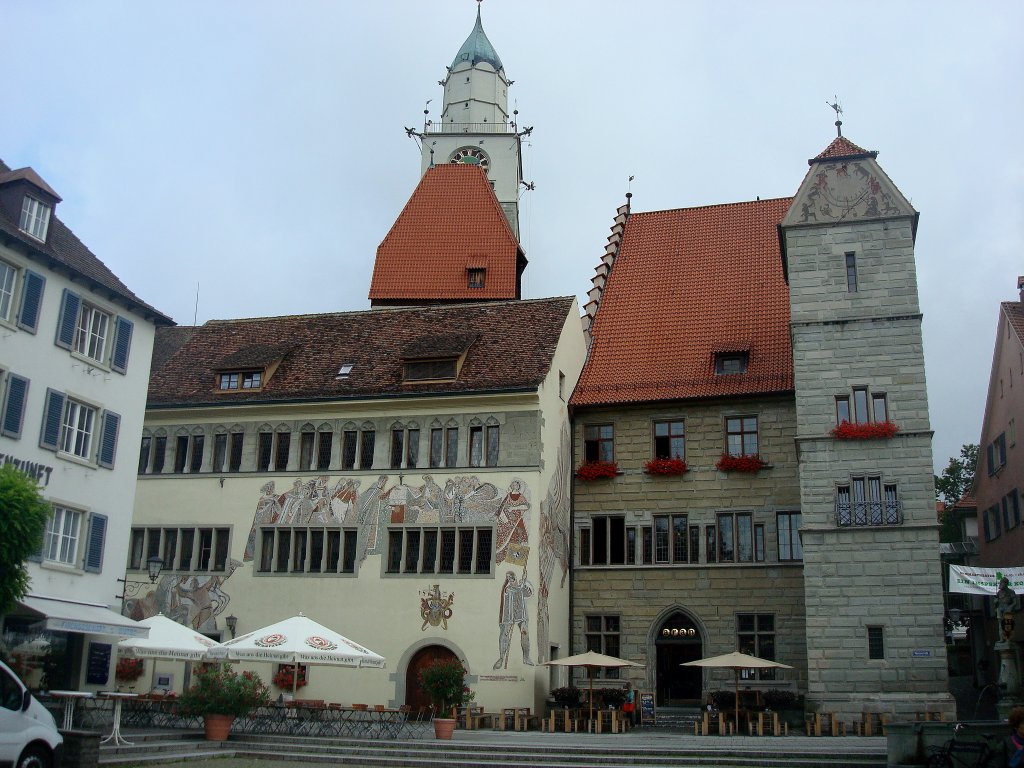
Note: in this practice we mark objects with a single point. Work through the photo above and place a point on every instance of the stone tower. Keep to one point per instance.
(869, 531)
(475, 126)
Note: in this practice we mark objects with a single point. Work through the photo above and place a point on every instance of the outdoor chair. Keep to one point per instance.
(506, 721)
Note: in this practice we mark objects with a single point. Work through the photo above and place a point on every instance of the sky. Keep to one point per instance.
(244, 158)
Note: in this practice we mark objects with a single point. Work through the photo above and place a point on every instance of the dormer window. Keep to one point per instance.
(234, 380)
(727, 363)
(431, 370)
(475, 278)
(35, 218)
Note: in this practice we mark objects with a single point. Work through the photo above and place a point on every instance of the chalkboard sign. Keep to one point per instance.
(97, 670)
(646, 708)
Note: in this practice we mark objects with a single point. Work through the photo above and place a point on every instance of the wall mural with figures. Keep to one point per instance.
(196, 600)
(192, 600)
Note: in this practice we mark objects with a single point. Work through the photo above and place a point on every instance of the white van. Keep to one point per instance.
(28, 733)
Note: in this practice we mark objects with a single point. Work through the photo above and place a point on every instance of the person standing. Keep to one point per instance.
(629, 706)
(1015, 741)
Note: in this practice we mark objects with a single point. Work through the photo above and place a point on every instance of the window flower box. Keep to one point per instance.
(878, 430)
(665, 467)
(597, 470)
(746, 463)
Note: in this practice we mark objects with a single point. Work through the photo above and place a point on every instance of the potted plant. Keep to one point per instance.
(566, 696)
(746, 463)
(444, 683)
(877, 430)
(285, 678)
(128, 671)
(220, 694)
(613, 697)
(597, 470)
(664, 466)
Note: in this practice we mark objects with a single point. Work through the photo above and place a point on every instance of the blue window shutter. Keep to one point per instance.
(53, 416)
(94, 546)
(31, 301)
(69, 305)
(122, 344)
(14, 406)
(108, 440)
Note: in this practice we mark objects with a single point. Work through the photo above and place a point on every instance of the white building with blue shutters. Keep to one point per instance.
(75, 349)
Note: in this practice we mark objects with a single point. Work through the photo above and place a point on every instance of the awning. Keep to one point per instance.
(75, 616)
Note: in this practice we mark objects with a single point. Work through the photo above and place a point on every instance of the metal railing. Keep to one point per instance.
(869, 513)
(469, 128)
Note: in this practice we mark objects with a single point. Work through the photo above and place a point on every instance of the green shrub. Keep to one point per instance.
(217, 689)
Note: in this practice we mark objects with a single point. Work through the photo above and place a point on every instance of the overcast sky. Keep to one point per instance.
(256, 149)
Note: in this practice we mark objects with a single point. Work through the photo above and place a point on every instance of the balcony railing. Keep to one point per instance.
(869, 513)
(469, 128)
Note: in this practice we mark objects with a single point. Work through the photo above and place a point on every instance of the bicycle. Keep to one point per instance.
(965, 754)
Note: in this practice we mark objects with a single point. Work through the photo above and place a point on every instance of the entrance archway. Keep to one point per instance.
(414, 695)
(678, 641)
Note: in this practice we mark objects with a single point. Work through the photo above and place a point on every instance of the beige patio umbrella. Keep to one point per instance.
(591, 660)
(736, 661)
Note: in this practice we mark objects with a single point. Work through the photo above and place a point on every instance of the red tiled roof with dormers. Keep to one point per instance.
(842, 147)
(63, 251)
(452, 223)
(686, 284)
(508, 346)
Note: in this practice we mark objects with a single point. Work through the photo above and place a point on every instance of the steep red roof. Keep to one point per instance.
(508, 346)
(1015, 315)
(686, 284)
(842, 147)
(452, 223)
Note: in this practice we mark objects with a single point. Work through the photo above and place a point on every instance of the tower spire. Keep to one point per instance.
(838, 110)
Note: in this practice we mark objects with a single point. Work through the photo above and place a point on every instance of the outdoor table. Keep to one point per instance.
(70, 699)
(118, 699)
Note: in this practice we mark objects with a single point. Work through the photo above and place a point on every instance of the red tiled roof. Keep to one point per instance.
(687, 283)
(1015, 315)
(452, 223)
(842, 147)
(509, 346)
(967, 501)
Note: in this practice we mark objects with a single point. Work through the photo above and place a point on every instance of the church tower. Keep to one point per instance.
(869, 531)
(475, 127)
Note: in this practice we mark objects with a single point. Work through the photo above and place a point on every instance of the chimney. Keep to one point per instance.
(1020, 287)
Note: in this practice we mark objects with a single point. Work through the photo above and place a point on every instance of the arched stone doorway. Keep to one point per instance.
(678, 640)
(424, 657)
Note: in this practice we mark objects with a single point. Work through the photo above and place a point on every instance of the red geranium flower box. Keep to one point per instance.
(665, 467)
(746, 463)
(879, 430)
(596, 470)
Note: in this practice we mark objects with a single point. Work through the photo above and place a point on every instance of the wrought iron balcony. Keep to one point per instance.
(869, 513)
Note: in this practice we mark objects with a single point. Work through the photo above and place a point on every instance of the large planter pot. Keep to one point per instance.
(217, 726)
(444, 727)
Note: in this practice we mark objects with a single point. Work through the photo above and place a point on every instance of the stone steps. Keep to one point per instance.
(468, 749)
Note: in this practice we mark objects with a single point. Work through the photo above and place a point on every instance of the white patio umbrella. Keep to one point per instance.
(736, 661)
(591, 660)
(167, 640)
(298, 640)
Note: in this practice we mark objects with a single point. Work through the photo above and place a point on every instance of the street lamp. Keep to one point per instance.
(154, 565)
(232, 622)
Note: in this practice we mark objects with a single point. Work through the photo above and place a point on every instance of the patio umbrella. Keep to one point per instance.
(167, 640)
(298, 640)
(590, 660)
(736, 661)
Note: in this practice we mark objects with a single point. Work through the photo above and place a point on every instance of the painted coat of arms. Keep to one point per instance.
(436, 607)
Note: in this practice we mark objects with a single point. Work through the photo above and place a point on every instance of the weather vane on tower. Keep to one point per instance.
(838, 110)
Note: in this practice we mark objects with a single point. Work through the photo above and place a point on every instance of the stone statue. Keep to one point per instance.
(1006, 600)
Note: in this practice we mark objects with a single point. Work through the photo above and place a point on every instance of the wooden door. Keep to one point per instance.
(414, 695)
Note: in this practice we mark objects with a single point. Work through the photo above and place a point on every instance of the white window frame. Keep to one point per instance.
(8, 283)
(35, 218)
(63, 535)
(91, 332)
(78, 429)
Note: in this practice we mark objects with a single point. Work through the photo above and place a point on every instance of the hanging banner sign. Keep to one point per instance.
(972, 580)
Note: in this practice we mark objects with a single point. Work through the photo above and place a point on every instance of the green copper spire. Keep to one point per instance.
(477, 48)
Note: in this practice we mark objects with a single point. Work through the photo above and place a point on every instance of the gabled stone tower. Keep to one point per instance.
(869, 530)
(475, 127)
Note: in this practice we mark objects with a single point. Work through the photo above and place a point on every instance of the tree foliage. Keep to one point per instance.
(23, 516)
(957, 477)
